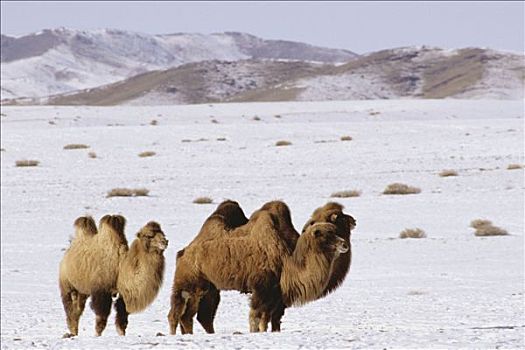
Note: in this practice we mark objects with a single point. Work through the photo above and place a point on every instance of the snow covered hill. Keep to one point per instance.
(449, 290)
(413, 72)
(61, 60)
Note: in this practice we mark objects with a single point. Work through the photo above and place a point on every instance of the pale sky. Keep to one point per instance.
(357, 26)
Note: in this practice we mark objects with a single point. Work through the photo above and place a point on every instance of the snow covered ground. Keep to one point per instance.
(449, 290)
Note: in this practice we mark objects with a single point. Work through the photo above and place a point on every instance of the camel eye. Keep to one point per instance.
(317, 233)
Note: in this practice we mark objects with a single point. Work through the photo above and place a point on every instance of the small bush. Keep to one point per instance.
(153, 122)
(27, 162)
(92, 155)
(489, 230)
(412, 233)
(256, 118)
(346, 194)
(514, 166)
(128, 192)
(147, 154)
(283, 143)
(221, 138)
(214, 121)
(185, 140)
(399, 188)
(203, 200)
(448, 172)
(76, 146)
(346, 138)
(278, 116)
(480, 223)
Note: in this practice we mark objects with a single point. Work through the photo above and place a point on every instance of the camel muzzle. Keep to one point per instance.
(341, 246)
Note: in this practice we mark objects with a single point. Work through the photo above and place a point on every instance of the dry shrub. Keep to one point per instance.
(256, 118)
(412, 233)
(283, 143)
(346, 138)
(346, 194)
(185, 140)
(128, 192)
(153, 122)
(221, 138)
(203, 200)
(514, 166)
(76, 146)
(214, 121)
(478, 223)
(399, 188)
(26, 162)
(147, 154)
(448, 172)
(278, 116)
(51, 122)
(92, 155)
(489, 230)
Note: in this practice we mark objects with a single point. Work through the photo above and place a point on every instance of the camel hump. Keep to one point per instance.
(86, 224)
(232, 213)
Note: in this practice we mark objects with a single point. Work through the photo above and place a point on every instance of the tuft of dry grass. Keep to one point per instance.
(256, 118)
(399, 188)
(221, 138)
(92, 155)
(153, 122)
(489, 230)
(412, 233)
(214, 121)
(514, 166)
(448, 172)
(485, 228)
(76, 146)
(346, 194)
(346, 138)
(128, 192)
(26, 163)
(278, 116)
(283, 143)
(147, 154)
(203, 200)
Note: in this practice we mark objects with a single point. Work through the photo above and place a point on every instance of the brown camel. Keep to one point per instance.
(91, 266)
(331, 212)
(242, 263)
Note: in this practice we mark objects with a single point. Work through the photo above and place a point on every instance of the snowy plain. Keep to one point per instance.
(449, 290)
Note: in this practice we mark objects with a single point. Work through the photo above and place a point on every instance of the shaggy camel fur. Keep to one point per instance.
(100, 265)
(331, 212)
(243, 263)
(90, 268)
(140, 274)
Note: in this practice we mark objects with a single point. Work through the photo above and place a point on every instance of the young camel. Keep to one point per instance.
(332, 213)
(91, 267)
(244, 264)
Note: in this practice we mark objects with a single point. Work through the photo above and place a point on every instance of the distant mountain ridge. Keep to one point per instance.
(63, 60)
(119, 67)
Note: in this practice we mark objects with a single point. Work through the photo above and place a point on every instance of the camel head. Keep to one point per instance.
(85, 224)
(333, 213)
(323, 236)
(152, 238)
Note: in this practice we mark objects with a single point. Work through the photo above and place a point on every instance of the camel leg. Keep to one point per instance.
(192, 306)
(101, 304)
(277, 315)
(178, 307)
(208, 308)
(263, 321)
(255, 317)
(121, 319)
(73, 303)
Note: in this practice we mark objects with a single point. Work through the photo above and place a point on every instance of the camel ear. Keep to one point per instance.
(333, 218)
(351, 222)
